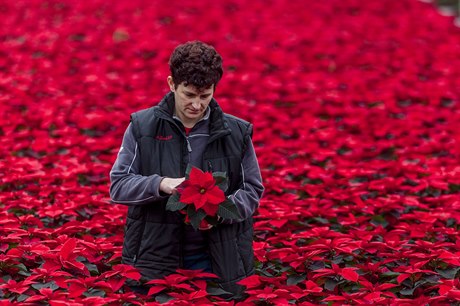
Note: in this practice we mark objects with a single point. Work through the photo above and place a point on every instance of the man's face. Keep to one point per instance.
(190, 102)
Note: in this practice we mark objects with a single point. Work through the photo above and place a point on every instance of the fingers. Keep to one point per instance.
(175, 183)
(180, 181)
(168, 185)
(208, 227)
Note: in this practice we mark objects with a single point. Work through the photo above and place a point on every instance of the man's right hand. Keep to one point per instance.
(168, 185)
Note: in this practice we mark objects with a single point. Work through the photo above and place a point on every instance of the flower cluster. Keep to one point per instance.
(355, 105)
(201, 191)
(201, 197)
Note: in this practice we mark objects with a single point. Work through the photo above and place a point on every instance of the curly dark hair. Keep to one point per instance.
(196, 63)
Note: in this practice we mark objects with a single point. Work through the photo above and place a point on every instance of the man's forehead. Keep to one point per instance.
(194, 89)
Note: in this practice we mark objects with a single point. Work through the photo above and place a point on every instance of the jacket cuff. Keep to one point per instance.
(155, 186)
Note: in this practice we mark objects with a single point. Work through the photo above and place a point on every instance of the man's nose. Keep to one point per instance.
(196, 104)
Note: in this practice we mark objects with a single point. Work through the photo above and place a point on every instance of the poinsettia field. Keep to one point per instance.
(356, 110)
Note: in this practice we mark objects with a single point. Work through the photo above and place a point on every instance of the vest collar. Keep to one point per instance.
(218, 126)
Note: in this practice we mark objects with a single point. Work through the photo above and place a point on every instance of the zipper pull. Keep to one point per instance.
(189, 147)
(134, 258)
(209, 166)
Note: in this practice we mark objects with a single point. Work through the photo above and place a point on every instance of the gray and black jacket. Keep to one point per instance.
(155, 146)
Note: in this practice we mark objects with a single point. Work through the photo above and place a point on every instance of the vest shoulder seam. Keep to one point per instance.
(236, 119)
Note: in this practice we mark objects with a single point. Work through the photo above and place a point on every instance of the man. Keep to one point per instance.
(187, 127)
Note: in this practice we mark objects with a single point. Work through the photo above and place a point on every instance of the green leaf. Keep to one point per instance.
(428, 279)
(407, 291)
(163, 298)
(218, 174)
(454, 188)
(449, 273)
(330, 284)
(228, 210)
(22, 298)
(390, 274)
(317, 265)
(221, 180)
(195, 216)
(94, 292)
(379, 220)
(284, 268)
(6, 278)
(52, 285)
(24, 273)
(321, 220)
(187, 171)
(173, 203)
(217, 291)
(211, 220)
(338, 259)
(451, 222)
(92, 268)
(294, 279)
(21, 267)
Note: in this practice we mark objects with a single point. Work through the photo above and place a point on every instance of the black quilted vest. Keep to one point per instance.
(153, 236)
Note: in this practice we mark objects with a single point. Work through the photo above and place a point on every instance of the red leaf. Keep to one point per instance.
(335, 298)
(128, 271)
(372, 296)
(157, 282)
(196, 274)
(443, 289)
(387, 286)
(250, 282)
(402, 277)
(76, 289)
(113, 283)
(183, 286)
(278, 223)
(155, 289)
(313, 190)
(34, 298)
(68, 248)
(350, 274)
(312, 286)
(198, 294)
(455, 294)
(201, 284)
(267, 295)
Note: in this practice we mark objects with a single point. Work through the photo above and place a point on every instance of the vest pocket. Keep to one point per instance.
(133, 232)
(226, 261)
(160, 245)
(246, 250)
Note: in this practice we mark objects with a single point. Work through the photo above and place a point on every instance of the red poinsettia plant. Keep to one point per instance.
(202, 198)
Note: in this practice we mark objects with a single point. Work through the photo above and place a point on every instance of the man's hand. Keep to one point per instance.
(168, 185)
(206, 228)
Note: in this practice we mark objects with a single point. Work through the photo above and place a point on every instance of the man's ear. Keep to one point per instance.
(171, 83)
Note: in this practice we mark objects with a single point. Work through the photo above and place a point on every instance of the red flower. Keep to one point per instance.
(201, 191)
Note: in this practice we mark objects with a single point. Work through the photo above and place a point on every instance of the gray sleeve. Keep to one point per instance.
(248, 196)
(127, 185)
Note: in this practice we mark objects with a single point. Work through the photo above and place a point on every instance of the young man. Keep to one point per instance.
(187, 127)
